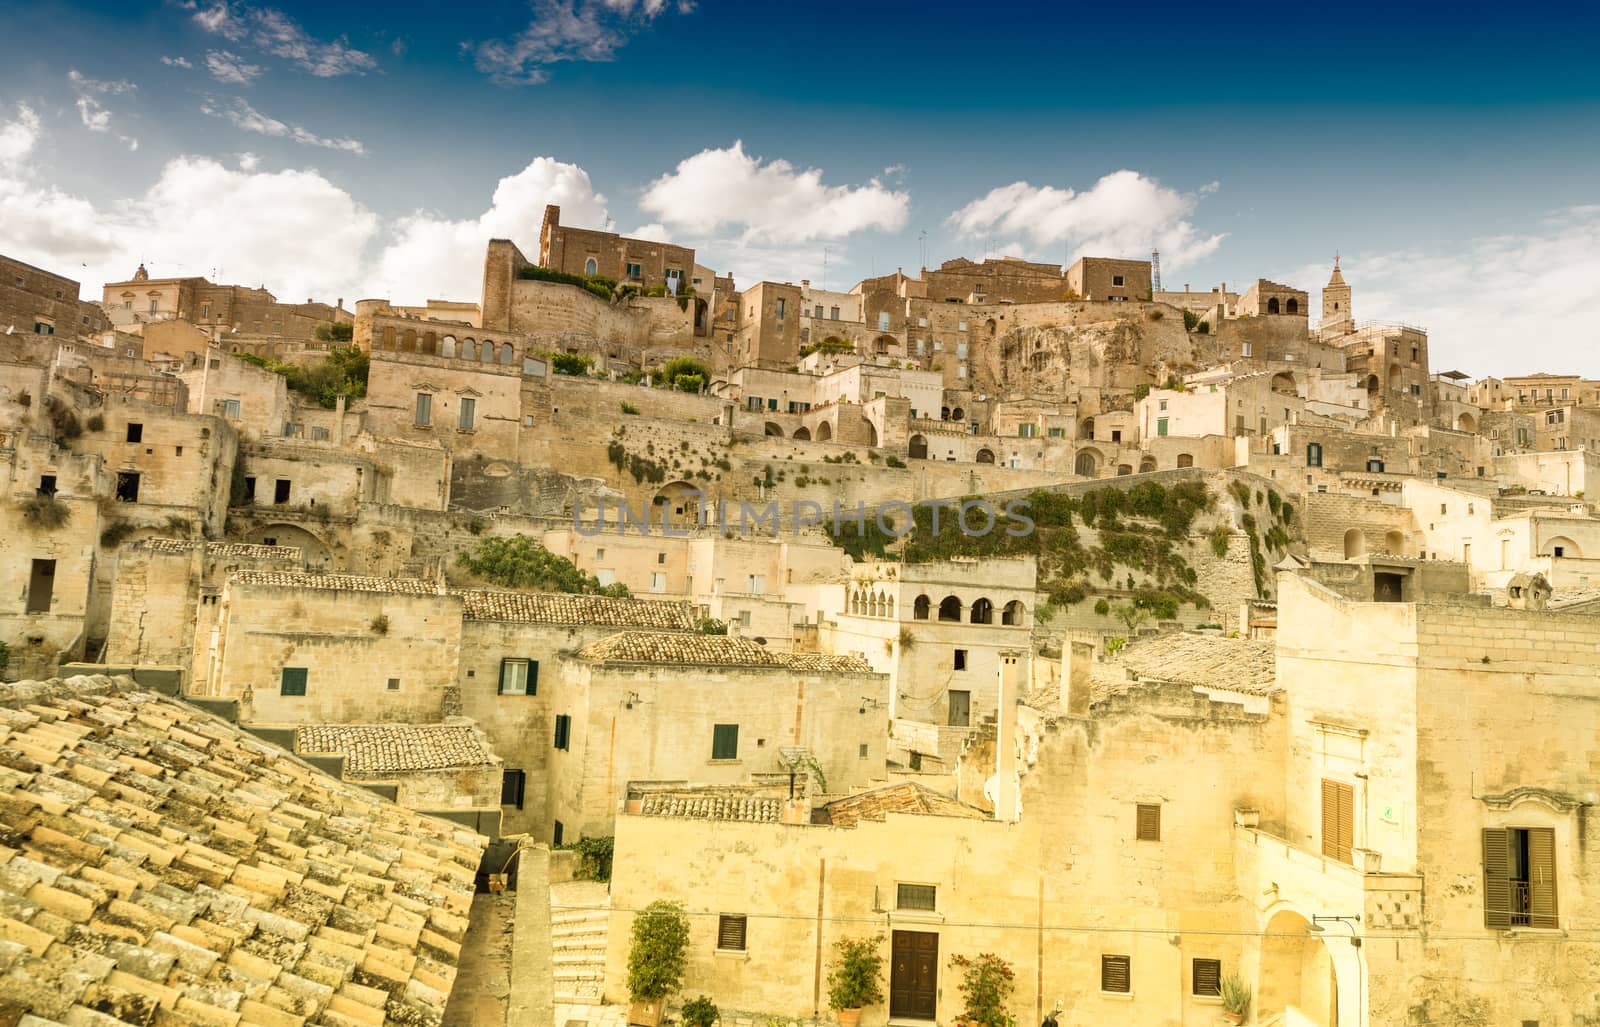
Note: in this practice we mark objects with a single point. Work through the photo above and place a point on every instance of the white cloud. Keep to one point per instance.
(431, 256)
(247, 119)
(1502, 304)
(566, 30)
(176, 62)
(1124, 214)
(271, 31)
(768, 202)
(94, 114)
(227, 66)
(292, 230)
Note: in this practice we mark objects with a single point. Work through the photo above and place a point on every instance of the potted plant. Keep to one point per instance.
(699, 1012)
(1235, 998)
(655, 960)
(854, 976)
(986, 984)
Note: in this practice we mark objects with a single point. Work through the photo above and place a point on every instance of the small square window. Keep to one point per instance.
(731, 932)
(394, 685)
(961, 659)
(293, 681)
(1116, 974)
(916, 896)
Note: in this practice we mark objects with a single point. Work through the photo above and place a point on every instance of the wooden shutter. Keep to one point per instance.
(1207, 977)
(1115, 974)
(1148, 822)
(1496, 878)
(730, 933)
(293, 682)
(1541, 877)
(533, 677)
(1338, 820)
(563, 730)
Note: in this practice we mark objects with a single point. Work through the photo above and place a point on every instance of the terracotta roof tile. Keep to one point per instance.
(906, 797)
(284, 554)
(336, 582)
(713, 805)
(710, 650)
(151, 861)
(564, 608)
(396, 748)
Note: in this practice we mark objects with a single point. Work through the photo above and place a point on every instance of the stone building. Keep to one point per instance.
(769, 326)
(586, 252)
(1110, 279)
(39, 302)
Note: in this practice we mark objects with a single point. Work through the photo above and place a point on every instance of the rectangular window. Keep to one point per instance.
(1338, 820)
(559, 833)
(730, 932)
(1206, 978)
(1161, 426)
(47, 485)
(319, 434)
(757, 584)
(563, 731)
(923, 897)
(658, 582)
(1375, 466)
(725, 741)
(833, 313)
(1028, 431)
(512, 785)
(1116, 974)
(1519, 877)
(280, 491)
(1116, 279)
(127, 486)
(961, 659)
(634, 271)
(518, 677)
(230, 408)
(135, 432)
(960, 708)
(41, 585)
(883, 320)
(778, 308)
(293, 681)
(467, 414)
(1147, 822)
(1313, 454)
(424, 416)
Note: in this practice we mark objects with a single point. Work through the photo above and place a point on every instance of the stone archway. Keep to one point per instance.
(678, 504)
(919, 447)
(773, 429)
(1086, 464)
(985, 456)
(313, 550)
(1467, 423)
(803, 433)
(1298, 980)
(825, 432)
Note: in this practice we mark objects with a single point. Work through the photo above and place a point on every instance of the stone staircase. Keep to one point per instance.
(580, 920)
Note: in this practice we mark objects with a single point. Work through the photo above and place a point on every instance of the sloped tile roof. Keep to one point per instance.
(906, 797)
(1244, 665)
(336, 582)
(285, 554)
(157, 865)
(710, 650)
(396, 748)
(565, 608)
(713, 806)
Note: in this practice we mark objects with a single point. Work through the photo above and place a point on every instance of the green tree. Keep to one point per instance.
(656, 955)
(519, 562)
(674, 371)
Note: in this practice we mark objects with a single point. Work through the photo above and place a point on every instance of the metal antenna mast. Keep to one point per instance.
(1155, 270)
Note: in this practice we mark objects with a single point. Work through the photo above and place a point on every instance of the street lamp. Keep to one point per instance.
(1317, 927)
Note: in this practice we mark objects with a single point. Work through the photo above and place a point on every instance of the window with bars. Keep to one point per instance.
(1116, 974)
(1206, 977)
(923, 897)
(1147, 822)
(731, 932)
(1519, 877)
(1338, 820)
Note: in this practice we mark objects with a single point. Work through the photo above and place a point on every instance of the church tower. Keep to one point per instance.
(1336, 298)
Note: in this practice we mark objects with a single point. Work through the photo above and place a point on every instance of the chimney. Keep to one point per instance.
(1007, 803)
(1078, 657)
(805, 283)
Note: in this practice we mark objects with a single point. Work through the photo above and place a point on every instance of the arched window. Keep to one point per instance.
(487, 352)
(985, 456)
(386, 337)
(469, 350)
(774, 429)
(1394, 543)
(447, 347)
(1355, 544)
(957, 414)
(950, 608)
(919, 448)
(824, 432)
(1185, 460)
(802, 433)
(408, 341)
(1124, 469)
(506, 353)
(430, 343)
(919, 608)
(1147, 465)
(1292, 307)
(590, 268)
(982, 612)
(1272, 305)
(1013, 613)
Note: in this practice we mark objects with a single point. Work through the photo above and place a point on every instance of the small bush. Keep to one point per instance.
(63, 422)
(700, 1012)
(594, 858)
(45, 512)
(116, 533)
(713, 626)
(96, 423)
(629, 408)
(894, 461)
(1102, 607)
(380, 624)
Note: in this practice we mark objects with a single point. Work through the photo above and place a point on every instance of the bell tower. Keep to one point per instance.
(1336, 298)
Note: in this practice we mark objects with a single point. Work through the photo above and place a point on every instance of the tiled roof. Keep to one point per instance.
(709, 650)
(158, 866)
(337, 582)
(906, 797)
(286, 554)
(713, 806)
(564, 608)
(396, 748)
(1190, 658)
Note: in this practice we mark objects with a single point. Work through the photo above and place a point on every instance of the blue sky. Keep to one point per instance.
(340, 149)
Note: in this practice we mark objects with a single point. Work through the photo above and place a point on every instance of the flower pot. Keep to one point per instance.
(849, 1017)
(1234, 1017)
(645, 1014)
(1247, 817)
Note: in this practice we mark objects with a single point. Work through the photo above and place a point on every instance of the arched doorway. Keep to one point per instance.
(774, 429)
(985, 456)
(1124, 469)
(678, 503)
(958, 414)
(802, 433)
(1283, 384)
(699, 315)
(1272, 305)
(1086, 464)
(824, 432)
(918, 449)
(950, 608)
(982, 612)
(1292, 307)
(919, 608)
(1013, 613)
(1355, 544)
(1298, 980)
(1147, 465)
(1466, 423)
(313, 550)
(1086, 429)
(1394, 543)
(1185, 460)
(884, 345)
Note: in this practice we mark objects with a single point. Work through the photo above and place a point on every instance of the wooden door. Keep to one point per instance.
(914, 980)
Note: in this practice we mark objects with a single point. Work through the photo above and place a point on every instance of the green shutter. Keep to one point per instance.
(293, 681)
(533, 677)
(1496, 879)
(725, 742)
